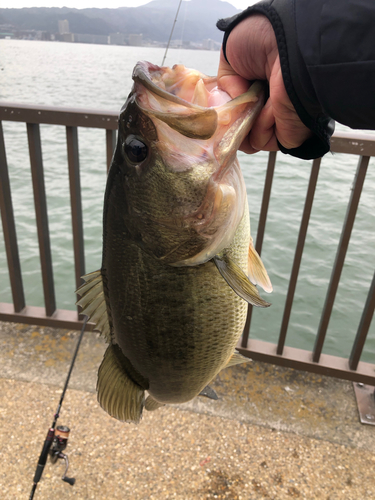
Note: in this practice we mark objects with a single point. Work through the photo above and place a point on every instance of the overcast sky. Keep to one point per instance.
(83, 4)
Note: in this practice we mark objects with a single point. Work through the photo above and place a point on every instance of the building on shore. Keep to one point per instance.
(98, 39)
(210, 44)
(63, 26)
(135, 40)
(67, 37)
(117, 39)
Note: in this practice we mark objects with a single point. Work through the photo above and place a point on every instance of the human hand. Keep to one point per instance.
(253, 55)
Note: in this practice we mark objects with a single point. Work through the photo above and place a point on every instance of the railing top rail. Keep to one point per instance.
(69, 117)
(353, 142)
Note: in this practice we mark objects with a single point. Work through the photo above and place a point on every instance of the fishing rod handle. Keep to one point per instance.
(44, 454)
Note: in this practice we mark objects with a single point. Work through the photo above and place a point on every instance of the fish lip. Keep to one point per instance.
(190, 119)
(199, 122)
(142, 75)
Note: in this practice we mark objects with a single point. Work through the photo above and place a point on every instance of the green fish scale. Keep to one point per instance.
(178, 326)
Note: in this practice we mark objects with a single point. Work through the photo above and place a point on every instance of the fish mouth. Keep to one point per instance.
(191, 102)
(197, 123)
(165, 93)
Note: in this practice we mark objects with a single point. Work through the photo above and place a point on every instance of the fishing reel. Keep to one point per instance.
(60, 442)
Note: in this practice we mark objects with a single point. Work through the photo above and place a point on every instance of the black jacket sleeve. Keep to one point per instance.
(327, 56)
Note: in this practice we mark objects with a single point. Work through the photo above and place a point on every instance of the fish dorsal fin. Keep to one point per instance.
(238, 281)
(208, 392)
(237, 359)
(152, 405)
(257, 272)
(118, 395)
(93, 302)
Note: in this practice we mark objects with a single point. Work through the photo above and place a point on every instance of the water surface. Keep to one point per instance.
(99, 77)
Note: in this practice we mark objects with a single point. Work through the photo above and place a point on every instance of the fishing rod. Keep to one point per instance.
(170, 36)
(57, 439)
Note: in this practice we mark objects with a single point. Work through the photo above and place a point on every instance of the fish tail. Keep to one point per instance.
(118, 395)
(152, 404)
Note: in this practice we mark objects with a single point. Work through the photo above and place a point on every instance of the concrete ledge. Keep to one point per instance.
(275, 433)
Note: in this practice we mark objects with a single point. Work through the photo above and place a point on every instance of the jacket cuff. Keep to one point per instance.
(297, 81)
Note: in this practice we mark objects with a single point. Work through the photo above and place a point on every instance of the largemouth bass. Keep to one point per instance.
(178, 263)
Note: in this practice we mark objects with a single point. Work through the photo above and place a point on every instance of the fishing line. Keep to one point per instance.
(170, 36)
(57, 439)
(182, 32)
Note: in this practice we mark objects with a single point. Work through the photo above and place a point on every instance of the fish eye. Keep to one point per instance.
(135, 149)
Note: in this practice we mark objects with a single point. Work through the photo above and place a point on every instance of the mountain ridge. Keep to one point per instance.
(196, 20)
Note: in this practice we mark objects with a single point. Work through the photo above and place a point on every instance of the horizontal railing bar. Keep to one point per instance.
(340, 256)
(32, 315)
(70, 117)
(257, 350)
(299, 359)
(298, 253)
(9, 230)
(75, 203)
(261, 228)
(356, 142)
(40, 202)
(363, 328)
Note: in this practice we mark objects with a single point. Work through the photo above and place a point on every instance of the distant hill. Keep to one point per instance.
(196, 20)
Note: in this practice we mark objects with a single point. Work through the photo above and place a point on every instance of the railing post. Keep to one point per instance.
(35, 148)
(9, 230)
(75, 203)
(340, 256)
(363, 327)
(298, 254)
(260, 232)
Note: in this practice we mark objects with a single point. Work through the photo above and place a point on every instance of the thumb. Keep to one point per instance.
(229, 81)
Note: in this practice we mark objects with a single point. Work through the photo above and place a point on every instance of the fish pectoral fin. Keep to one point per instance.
(257, 272)
(93, 303)
(208, 392)
(118, 395)
(238, 281)
(237, 359)
(152, 405)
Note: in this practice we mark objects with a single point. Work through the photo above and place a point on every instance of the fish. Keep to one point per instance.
(178, 265)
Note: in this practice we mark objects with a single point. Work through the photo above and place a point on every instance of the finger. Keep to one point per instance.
(262, 133)
(293, 134)
(270, 146)
(247, 148)
(229, 81)
(289, 129)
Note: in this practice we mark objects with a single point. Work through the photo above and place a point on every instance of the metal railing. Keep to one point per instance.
(71, 119)
(314, 361)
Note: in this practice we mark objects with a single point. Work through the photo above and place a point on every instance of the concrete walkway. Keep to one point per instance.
(274, 433)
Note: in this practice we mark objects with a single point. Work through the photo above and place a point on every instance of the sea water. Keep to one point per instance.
(99, 77)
